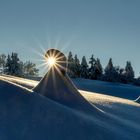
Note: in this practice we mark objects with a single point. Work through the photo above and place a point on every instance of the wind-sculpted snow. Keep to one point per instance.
(60, 88)
(114, 89)
(20, 81)
(27, 115)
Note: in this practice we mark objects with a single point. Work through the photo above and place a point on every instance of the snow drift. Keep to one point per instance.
(59, 88)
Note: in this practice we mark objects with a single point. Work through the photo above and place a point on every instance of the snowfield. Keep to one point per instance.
(114, 89)
(29, 115)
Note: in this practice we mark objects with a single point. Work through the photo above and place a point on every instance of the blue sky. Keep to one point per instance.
(105, 28)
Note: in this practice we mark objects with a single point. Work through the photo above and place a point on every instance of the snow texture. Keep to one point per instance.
(28, 115)
(114, 89)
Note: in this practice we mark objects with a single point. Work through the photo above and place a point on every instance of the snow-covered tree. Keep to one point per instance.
(129, 72)
(92, 67)
(92, 61)
(98, 69)
(110, 74)
(76, 66)
(29, 69)
(13, 65)
(84, 68)
(70, 69)
(8, 65)
(2, 62)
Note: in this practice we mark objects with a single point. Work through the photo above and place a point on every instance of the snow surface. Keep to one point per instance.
(28, 115)
(114, 89)
(59, 87)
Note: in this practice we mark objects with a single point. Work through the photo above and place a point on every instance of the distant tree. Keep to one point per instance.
(70, 69)
(13, 65)
(76, 66)
(110, 74)
(121, 75)
(129, 72)
(84, 68)
(98, 69)
(92, 61)
(29, 69)
(92, 74)
(8, 65)
(2, 62)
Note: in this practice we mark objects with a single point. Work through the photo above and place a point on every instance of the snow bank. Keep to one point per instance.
(114, 89)
(27, 115)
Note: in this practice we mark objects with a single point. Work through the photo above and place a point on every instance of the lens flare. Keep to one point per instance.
(51, 61)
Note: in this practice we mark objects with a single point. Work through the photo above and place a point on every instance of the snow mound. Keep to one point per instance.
(58, 87)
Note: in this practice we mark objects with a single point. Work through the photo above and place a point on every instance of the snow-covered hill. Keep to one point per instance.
(28, 115)
(125, 91)
(114, 89)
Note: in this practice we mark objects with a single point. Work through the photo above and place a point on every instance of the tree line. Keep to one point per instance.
(93, 70)
(12, 65)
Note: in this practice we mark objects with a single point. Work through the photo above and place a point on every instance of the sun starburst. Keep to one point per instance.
(51, 61)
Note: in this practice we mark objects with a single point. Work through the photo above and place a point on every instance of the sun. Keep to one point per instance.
(51, 61)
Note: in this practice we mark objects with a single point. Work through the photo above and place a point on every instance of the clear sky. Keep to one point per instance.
(105, 28)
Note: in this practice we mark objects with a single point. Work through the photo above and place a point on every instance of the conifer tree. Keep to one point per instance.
(98, 69)
(70, 69)
(2, 62)
(76, 66)
(110, 72)
(129, 72)
(92, 68)
(13, 65)
(84, 68)
(8, 65)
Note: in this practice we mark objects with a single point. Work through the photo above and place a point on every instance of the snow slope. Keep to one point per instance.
(28, 115)
(114, 89)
